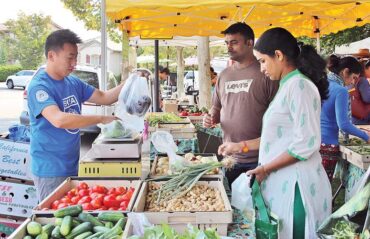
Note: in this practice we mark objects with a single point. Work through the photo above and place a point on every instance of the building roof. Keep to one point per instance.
(110, 44)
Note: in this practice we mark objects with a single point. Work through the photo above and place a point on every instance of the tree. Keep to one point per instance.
(3, 53)
(88, 11)
(329, 41)
(27, 38)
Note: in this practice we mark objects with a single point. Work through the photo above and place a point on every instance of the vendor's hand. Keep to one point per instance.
(208, 121)
(260, 173)
(109, 118)
(230, 148)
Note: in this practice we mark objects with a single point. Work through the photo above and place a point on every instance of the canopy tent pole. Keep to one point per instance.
(204, 72)
(156, 78)
(125, 70)
(317, 32)
(180, 72)
(103, 47)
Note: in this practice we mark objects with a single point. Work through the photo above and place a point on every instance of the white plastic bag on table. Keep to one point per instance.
(164, 143)
(115, 129)
(241, 193)
(133, 102)
(138, 221)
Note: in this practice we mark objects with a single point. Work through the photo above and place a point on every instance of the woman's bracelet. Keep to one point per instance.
(245, 148)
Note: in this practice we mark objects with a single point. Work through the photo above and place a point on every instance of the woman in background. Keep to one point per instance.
(336, 111)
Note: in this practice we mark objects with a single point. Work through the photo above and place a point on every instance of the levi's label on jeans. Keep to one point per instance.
(238, 86)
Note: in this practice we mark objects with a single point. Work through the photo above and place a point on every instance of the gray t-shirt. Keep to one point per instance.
(240, 99)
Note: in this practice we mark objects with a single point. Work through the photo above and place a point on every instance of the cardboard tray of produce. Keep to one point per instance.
(201, 219)
(178, 130)
(73, 182)
(116, 148)
(154, 172)
(91, 166)
(43, 219)
(357, 155)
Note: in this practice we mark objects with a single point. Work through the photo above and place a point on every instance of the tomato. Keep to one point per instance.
(130, 192)
(121, 190)
(112, 191)
(184, 113)
(66, 200)
(126, 197)
(83, 192)
(124, 205)
(110, 201)
(75, 199)
(113, 208)
(82, 185)
(121, 209)
(71, 193)
(62, 205)
(84, 199)
(87, 206)
(96, 203)
(103, 208)
(55, 204)
(99, 189)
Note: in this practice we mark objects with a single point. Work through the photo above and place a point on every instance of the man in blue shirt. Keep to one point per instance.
(54, 101)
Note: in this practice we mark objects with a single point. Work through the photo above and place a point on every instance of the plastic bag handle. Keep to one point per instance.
(259, 203)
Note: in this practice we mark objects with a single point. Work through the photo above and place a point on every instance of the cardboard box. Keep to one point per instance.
(73, 182)
(15, 159)
(17, 197)
(179, 220)
(8, 226)
(170, 106)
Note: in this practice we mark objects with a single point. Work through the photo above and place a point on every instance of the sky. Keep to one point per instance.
(54, 8)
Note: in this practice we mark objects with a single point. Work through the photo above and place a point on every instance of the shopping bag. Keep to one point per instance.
(266, 225)
(241, 194)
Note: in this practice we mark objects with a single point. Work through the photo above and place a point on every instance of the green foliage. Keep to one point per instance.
(88, 11)
(3, 53)
(329, 41)
(27, 39)
(7, 70)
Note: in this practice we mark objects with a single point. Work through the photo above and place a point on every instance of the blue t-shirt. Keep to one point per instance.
(55, 152)
(334, 116)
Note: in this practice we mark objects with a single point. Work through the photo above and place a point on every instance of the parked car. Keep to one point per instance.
(91, 76)
(19, 79)
(191, 81)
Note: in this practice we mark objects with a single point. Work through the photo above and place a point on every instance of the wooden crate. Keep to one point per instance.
(359, 160)
(179, 220)
(155, 162)
(73, 182)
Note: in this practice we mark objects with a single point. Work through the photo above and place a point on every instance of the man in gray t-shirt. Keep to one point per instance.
(241, 97)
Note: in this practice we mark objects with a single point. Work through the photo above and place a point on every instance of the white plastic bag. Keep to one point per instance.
(241, 193)
(133, 102)
(138, 221)
(115, 130)
(164, 143)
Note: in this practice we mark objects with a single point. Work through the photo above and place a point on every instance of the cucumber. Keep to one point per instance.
(34, 228)
(83, 227)
(56, 233)
(96, 235)
(100, 229)
(85, 217)
(84, 235)
(68, 211)
(43, 235)
(110, 216)
(66, 226)
(48, 228)
(109, 224)
(58, 221)
(75, 222)
(116, 230)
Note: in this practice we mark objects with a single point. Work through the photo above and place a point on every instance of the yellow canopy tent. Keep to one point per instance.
(164, 19)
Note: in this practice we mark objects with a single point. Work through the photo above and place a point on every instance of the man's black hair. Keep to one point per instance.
(163, 70)
(57, 39)
(242, 28)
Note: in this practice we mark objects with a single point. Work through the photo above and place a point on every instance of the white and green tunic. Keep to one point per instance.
(292, 124)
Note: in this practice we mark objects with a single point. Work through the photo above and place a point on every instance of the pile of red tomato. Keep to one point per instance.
(96, 198)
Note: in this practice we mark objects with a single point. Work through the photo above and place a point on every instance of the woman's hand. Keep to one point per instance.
(260, 173)
(230, 148)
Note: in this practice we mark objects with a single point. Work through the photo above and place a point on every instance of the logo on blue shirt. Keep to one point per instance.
(71, 105)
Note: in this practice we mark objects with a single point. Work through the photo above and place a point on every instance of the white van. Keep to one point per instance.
(91, 76)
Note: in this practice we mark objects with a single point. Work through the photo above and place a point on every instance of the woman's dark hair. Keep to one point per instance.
(56, 40)
(304, 57)
(337, 64)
